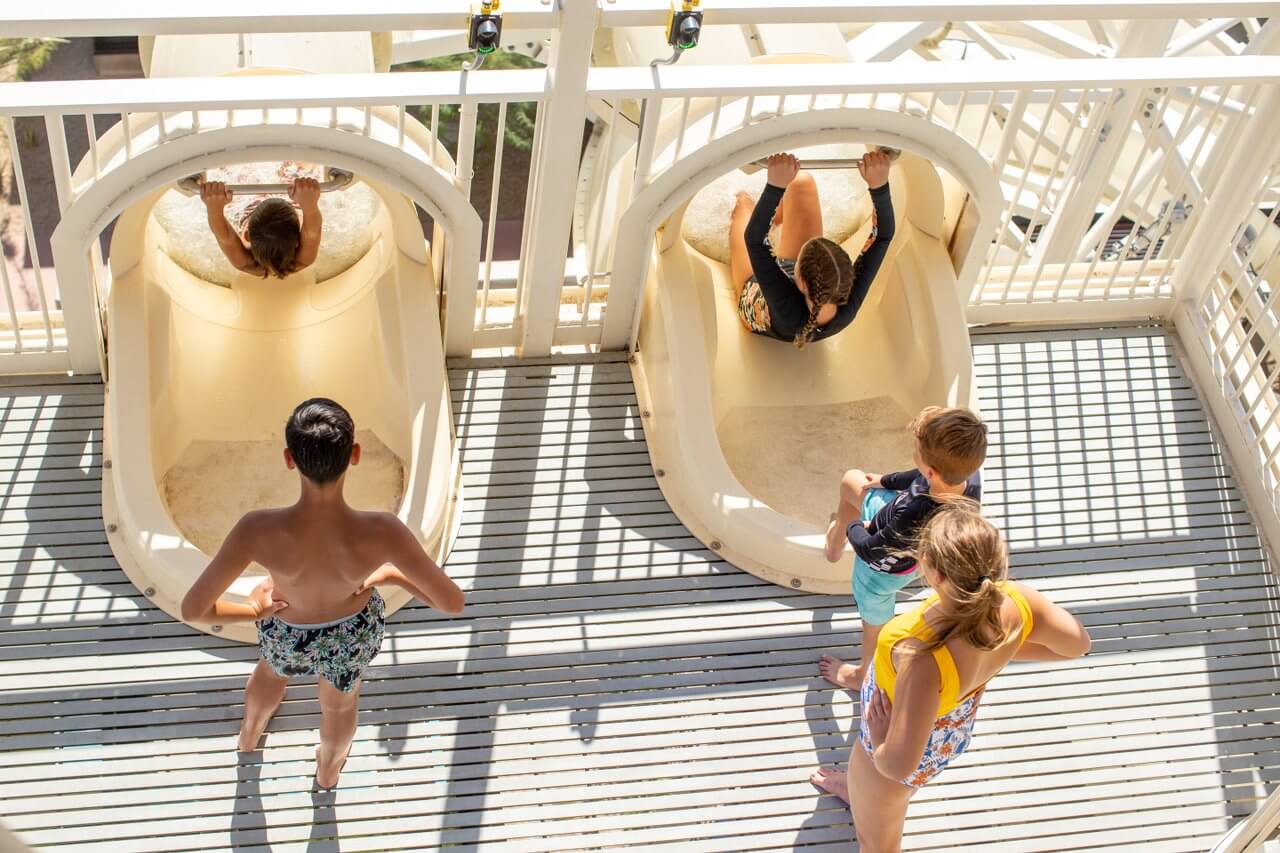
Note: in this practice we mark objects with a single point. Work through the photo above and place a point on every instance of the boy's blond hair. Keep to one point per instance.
(951, 441)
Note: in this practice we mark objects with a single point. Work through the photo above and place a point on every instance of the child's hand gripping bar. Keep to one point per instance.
(830, 163)
(338, 179)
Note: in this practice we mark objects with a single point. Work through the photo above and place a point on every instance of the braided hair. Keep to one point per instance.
(828, 272)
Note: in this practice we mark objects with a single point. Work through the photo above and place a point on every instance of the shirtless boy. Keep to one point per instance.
(323, 560)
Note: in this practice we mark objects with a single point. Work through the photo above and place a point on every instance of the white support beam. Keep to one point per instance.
(635, 13)
(1199, 35)
(1265, 42)
(983, 39)
(178, 94)
(1084, 185)
(887, 41)
(68, 18)
(1058, 39)
(555, 177)
(1228, 205)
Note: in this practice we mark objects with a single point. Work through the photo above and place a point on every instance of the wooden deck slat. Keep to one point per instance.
(612, 673)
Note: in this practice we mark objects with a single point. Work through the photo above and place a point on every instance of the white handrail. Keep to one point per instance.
(1251, 833)
(424, 87)
(69, 18)
(338, 179)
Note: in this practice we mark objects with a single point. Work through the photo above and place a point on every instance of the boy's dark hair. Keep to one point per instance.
(274, 234)
(320, 435)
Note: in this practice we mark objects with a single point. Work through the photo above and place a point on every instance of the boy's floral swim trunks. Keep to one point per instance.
(337, 651)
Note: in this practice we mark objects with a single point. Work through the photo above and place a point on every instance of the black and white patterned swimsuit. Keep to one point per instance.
(337, 651)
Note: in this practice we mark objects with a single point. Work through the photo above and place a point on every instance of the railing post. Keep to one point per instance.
(555, 180)
(1247, 166)
(77, 288)
(1092, 168)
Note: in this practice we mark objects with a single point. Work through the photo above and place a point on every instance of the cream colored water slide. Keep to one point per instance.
(748, 435)
(205, 364)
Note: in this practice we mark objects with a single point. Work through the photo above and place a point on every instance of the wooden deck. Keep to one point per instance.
(614, 685)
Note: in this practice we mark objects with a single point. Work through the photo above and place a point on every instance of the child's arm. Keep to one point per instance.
(413, 570)
(203, 602)
(875, 170)
(1056, 634)
(899, 481)
(786, 303)
(216, 197)
(306, 193)
(900, 730)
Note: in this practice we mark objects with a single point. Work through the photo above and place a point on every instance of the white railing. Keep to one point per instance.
(1080, 234)
(1229, 316)
(142, 117)
(1251, 834)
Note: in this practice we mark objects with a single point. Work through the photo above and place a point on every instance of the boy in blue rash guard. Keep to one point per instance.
(806, 288)
(881, 515)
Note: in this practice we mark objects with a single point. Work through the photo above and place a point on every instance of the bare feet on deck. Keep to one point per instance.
(835, 540)
(833, 780)
(840, 673)
(327, 774)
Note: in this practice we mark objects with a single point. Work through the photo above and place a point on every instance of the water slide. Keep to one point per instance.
(748, 435)
(206, 364)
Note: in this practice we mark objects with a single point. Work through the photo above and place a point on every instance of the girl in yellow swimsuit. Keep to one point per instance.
(931, 666)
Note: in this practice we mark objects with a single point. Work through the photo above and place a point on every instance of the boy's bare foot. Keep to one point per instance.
(835, 540)
(840, 673)
(833, 780)
(327, 775)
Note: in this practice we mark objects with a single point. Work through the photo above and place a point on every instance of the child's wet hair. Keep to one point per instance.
(320, 435)
(952, 441)
(274, 235)
(827, 271)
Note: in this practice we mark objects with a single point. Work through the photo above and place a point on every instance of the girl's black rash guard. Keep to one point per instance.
(787, 308)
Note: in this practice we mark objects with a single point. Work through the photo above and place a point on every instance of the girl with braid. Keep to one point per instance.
(807, 287)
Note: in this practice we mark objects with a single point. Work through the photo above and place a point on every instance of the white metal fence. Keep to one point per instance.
(1081, 230)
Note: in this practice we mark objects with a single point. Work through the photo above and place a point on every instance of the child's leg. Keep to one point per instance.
(739, 260)
(337, 728)
(840, 672)
(801, 216)
(853, 487)
(262, 696)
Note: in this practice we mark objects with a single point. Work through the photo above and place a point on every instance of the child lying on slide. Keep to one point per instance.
(271, 236)
(806, 288)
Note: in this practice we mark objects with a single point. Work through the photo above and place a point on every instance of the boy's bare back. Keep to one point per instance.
(318, 560)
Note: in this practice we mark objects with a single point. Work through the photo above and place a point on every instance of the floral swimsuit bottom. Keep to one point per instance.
(336, 651)
(950, 737)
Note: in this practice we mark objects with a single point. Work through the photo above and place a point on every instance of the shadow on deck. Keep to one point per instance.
(613, 684)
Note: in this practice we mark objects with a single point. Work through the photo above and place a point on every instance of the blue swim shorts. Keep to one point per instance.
(876, 592)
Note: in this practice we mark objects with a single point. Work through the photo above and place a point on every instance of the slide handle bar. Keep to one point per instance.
(339, 179)
(833, 163)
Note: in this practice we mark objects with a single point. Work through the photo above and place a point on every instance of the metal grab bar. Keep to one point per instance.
(828, 163)
(339, 179)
